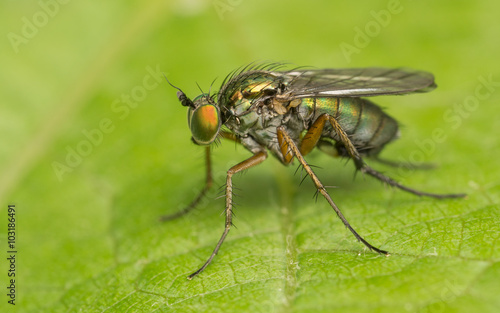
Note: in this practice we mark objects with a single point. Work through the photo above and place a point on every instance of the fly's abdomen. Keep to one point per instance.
(368, 127)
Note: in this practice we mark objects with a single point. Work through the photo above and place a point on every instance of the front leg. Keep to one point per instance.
(254, 160)
(196, 201)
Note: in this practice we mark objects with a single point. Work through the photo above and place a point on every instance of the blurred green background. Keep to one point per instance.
(95, 147)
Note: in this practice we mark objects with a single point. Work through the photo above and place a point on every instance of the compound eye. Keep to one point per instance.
(204, 122)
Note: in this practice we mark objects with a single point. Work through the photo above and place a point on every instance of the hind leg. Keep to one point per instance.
(313, 135)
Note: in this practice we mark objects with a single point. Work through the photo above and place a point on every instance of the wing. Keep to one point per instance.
(356, 82)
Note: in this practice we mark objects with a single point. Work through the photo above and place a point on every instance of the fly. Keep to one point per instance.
(289, 113)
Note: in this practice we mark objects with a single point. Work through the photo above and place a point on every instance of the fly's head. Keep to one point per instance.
(204, 118)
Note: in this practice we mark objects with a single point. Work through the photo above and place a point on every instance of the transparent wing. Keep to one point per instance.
(356, 82)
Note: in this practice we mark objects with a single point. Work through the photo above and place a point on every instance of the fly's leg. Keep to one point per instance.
(229, 136)
(370, 171)
(256, 159)
(196, 201)
(208, 182)
(410, 166)
(289, 150)
(363, 167)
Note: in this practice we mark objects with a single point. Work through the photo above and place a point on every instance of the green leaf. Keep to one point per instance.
(96, 147)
